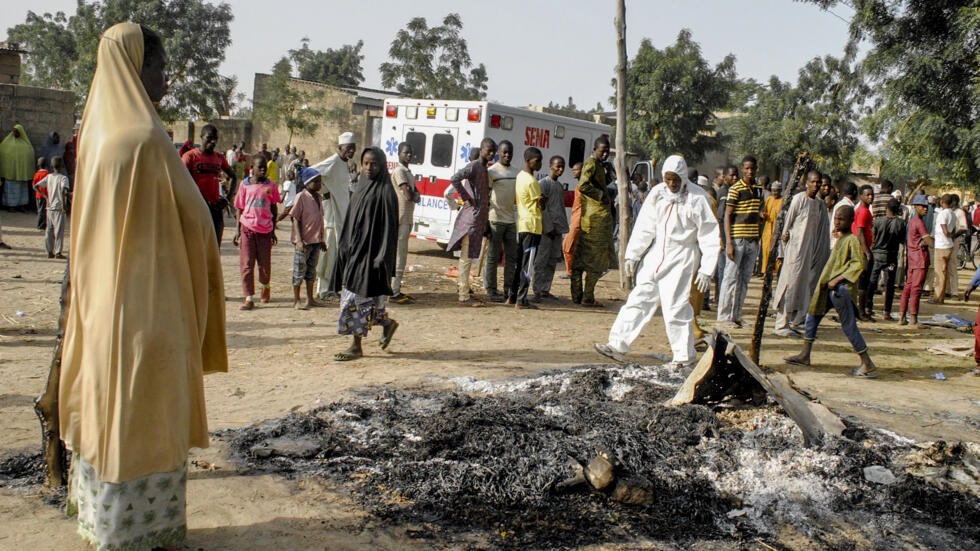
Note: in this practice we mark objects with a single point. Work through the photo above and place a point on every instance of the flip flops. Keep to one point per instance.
(347, 356)
(609, 352)
(859, 373)
(793, 361)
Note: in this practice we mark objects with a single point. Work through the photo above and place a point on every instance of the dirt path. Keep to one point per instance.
(281, 361)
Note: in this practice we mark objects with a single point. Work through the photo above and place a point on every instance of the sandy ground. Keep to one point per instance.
(281, 361)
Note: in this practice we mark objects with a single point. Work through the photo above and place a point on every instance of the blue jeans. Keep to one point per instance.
(735, 282)
(841, 300)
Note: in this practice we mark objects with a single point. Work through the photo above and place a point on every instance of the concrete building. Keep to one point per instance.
(39, 110)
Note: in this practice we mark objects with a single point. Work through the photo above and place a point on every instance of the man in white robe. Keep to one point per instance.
(806, 246)
(336, 198)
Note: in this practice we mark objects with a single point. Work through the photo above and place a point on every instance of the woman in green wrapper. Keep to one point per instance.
(593, 247)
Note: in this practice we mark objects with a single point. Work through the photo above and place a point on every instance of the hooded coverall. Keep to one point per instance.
(670, 232)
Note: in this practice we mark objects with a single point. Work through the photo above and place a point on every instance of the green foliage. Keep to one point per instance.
(285, 104)
(433, 62)
(924, 68)
(195, 34)
(673, 96)
(572, 110)
(820, 115)
(341, 67)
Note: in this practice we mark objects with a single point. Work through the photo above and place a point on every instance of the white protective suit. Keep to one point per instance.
(336, 181)
(674, 235)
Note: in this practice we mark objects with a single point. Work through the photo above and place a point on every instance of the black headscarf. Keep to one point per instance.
(369, 240)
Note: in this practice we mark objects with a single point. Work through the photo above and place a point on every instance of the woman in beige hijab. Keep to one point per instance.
(146, 316)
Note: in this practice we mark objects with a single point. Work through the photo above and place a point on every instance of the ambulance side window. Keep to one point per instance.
(576, 153)
(442, 150)
(417, 140)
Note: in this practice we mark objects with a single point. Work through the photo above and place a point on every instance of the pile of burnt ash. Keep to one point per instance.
(591, 455)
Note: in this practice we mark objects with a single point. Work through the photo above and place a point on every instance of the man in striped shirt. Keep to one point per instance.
(742, 223)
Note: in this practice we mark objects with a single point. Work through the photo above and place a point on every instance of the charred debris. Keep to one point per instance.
(626, 455)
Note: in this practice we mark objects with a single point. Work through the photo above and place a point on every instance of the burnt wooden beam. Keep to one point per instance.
(728, 373)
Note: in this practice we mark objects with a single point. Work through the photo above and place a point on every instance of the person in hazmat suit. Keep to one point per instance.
(676, 234)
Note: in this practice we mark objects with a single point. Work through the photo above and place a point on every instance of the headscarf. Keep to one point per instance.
(776, 185)
(677, 165)
(17, 161)
(147, 301)
(51, 149)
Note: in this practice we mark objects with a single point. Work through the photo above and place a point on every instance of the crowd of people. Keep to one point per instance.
(145, 248)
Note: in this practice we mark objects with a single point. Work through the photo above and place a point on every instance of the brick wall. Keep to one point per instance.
(230, 131)
(39, 110)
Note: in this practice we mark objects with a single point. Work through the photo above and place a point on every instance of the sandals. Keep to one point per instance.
(608, 352)
(860, 373)
(347, 356)
(387, 334)
(793, 361)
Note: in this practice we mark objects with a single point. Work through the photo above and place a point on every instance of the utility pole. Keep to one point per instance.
(622, 177)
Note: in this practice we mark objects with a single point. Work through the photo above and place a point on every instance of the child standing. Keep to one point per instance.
(836, 288)
(529, 224)
(257, 203)
(307, 214)
(57, 186)
(41, 193)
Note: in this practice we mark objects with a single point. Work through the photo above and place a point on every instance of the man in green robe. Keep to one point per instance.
(593, 247)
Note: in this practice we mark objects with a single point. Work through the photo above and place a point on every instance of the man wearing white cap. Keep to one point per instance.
(336, 198)
(675, 227)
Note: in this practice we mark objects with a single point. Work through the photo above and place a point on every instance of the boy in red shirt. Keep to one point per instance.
(257, 204)
(861, 228)
(206, 166)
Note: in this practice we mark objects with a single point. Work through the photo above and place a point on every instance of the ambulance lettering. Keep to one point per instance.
(434, 203)
(537, 137)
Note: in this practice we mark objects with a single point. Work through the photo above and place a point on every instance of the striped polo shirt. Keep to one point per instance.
(747, 201)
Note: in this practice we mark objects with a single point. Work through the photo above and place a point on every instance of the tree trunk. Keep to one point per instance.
(622, 177)
(46, 405)
(799, 175)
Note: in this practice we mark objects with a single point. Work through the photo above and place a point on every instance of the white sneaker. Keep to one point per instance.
(608, 352)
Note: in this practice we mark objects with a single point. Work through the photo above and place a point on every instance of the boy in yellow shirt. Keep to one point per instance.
(529, 224)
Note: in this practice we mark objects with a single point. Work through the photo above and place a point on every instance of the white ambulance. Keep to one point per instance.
(443, 133)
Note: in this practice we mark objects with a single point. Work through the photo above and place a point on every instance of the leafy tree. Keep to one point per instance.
(231, 102)
(433, 63)
(195, 34)
(284, 104)
(820, 114)
(572, 110)
(673, 96)
(924, 68)
(341, 67)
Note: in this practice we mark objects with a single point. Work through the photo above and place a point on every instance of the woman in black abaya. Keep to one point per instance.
(366, 259)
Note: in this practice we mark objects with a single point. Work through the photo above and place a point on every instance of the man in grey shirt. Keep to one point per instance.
(503, 225)
(554, 225)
